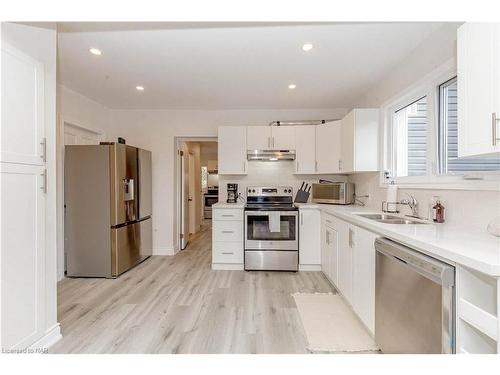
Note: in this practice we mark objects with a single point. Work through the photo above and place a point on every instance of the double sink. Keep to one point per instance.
(390, 219)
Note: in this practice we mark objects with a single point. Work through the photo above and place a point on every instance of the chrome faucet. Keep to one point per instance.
(412, 203)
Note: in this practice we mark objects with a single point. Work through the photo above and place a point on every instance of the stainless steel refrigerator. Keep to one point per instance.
(107, 195)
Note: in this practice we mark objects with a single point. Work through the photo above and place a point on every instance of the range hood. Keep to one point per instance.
(270, 155)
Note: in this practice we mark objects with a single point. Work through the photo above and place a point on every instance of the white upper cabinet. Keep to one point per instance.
(270, 138)
(305, 149)
(328, 147)
(359, 141)
(283, 137)
(478, 66)
(22, 108)
(232, 144)
(259, 138)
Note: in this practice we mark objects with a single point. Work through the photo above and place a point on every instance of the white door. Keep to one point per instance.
(259, 138)
(191, 205)
(328, 147)
(184, 167)
(232, 149)
(478, 75)
(283, 137)
(305, 158)
(363, 283)
(23, 199)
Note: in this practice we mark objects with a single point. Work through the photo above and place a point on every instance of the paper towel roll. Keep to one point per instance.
(392, 193)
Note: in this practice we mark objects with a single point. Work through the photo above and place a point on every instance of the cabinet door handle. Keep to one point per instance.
(228, 231)
(494, 120)
(301, 218)
(327, 238)
(227, 253)
(351, 236)
(273, 141)
(44, 183)
(43, 143)
(316, 166)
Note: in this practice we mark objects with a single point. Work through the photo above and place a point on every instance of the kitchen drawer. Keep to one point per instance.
(227, 252)
(227, 214)
(227, 231)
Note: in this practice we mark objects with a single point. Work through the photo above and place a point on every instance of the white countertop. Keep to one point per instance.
(229, 205)
(478, 250)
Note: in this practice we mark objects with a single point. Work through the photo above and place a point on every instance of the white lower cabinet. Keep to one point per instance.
(329, 249)
(478, 310)
(363, 276)
(348, 261)
(345, 251)
(227, 238)
(309, 240)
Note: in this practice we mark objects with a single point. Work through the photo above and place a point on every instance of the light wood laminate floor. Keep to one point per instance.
(178, 304)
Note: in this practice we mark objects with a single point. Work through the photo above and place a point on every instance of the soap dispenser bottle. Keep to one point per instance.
(438, 212)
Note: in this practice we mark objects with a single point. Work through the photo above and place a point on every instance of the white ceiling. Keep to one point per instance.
(232, 66)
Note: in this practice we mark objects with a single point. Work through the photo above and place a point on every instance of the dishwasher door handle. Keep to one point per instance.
(435, 270)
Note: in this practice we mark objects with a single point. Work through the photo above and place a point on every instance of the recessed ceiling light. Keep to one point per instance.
(139, 88)
(292, 86)
(95, 51)
(307, 47)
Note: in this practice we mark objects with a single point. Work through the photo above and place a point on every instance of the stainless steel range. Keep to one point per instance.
(271, 229)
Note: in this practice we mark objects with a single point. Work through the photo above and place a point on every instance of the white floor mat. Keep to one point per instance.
(330, 324)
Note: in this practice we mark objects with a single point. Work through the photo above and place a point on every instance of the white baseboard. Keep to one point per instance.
(52, 335)
(164, 251)
(309, 267)
(225, 266)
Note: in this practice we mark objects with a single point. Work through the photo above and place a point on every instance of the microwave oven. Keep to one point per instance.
(333, 193)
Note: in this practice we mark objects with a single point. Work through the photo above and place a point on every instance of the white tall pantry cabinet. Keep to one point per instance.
(478, 76)
(28, 197)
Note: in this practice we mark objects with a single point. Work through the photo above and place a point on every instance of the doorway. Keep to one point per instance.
(197, 177)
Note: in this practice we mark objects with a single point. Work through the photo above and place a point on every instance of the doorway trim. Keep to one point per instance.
(177, 183)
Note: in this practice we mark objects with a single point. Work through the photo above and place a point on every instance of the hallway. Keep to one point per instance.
(179, 305)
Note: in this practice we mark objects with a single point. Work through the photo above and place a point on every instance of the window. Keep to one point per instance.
(448, 137)
(409, 139)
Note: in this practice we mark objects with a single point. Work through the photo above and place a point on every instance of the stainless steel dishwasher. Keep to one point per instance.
(414, 301)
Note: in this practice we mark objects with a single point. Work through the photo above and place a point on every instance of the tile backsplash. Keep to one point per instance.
(261, 173)
(471, 209)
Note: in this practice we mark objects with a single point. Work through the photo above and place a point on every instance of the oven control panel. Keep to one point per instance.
(269, 191)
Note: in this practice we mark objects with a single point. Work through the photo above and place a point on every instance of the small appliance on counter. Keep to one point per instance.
(333, 192)
(232, 193)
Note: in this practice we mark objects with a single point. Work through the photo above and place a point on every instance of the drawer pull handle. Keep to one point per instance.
(225, 253)
(228, 231)
(227, 215)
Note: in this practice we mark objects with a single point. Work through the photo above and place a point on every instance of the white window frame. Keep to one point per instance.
(428, 86)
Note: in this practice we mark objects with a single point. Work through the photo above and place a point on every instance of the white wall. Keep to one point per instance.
(157, 131)
(40, 43)
(473, 209)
